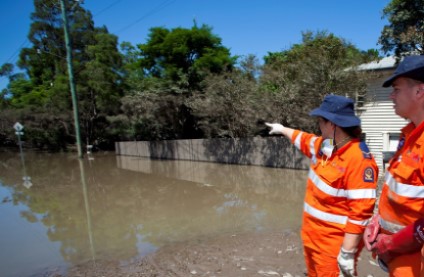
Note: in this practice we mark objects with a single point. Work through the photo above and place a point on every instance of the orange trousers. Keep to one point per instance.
(408, 265)
(320, 265)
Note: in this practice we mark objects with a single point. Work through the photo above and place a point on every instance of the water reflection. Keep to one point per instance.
(27, 179)
(87, 209)
(118, 208)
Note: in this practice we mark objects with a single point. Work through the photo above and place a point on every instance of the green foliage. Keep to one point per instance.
(229, 105)
(99, 85)
(6, 69)
(405, 32)
(21, 92)
(7, 133)
(179, 84)
(159, 111)
(162, 76)
(171, 54)
(102, 73)
(300, 77)
(45, 93)
(47, 55)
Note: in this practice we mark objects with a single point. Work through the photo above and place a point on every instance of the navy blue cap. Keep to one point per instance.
(339, 110)
(410, 67)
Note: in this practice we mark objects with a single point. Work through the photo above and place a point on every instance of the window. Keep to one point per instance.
(393, 142)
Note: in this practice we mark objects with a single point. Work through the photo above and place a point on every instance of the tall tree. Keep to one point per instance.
(101, 85)
(229, 105)
(97, 65)
(300, 77)
(164, 73)
(405, 32)
(184, 53)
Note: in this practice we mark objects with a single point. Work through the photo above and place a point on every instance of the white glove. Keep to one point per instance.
(276, 128)
(346, 261)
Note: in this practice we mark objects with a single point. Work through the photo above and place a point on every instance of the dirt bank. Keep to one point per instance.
(257, 254)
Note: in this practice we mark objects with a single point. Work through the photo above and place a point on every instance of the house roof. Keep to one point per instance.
(384, 63)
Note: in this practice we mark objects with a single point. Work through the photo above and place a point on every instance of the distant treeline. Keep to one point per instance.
(180, 84)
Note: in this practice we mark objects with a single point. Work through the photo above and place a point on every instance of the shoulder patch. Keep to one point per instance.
(365, 150)
(368, 175)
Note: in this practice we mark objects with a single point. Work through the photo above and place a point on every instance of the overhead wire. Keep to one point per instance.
(158, 8)
(15, 54)
(12, 58)
(161, 6)
(105, 9)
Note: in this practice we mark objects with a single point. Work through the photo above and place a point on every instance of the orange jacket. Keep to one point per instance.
(402, 197)
(340, 193)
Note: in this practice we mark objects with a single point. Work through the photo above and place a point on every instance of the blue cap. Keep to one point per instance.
(339, 110)
(410, 67)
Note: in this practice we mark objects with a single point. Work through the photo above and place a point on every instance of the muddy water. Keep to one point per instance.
(59, 211)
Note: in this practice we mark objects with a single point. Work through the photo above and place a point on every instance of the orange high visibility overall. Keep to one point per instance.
(340, 198)
(402, 197)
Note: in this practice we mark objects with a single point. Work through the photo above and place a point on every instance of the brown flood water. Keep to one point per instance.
(108, 207)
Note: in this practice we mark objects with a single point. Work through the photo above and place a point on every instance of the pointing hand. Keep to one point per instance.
(276, 128)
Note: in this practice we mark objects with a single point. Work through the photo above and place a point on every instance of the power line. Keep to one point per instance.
(153, 11)
(14, 55)
(158, 8)
(50, 53)
(108, 7)
(26, 41)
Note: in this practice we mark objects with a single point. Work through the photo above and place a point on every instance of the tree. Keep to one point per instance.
(100, 85)
(165, 72)
(6, 70)
(184, 54)
(229, 105)
(405, 32)
(132, 71)
(300, 77)
(97, 69)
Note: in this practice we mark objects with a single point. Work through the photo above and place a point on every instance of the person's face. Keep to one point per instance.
(404, 97)
(326, 127)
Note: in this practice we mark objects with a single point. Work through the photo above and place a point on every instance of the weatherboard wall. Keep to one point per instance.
(378, 119)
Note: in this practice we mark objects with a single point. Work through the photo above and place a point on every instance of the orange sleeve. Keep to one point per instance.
(361, 184)
(307, 143)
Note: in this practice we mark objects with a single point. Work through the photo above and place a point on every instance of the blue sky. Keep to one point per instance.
(245, 26)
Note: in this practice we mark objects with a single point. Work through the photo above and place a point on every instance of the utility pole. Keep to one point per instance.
(71, 77)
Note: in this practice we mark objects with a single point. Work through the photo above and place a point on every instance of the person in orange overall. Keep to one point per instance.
(396, 233)
(341, 188)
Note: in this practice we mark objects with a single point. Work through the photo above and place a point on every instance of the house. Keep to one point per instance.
(380, 125)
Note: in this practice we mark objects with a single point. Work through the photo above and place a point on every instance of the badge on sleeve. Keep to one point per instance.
(368, 175)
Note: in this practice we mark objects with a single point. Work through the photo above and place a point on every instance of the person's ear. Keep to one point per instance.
(420, 90)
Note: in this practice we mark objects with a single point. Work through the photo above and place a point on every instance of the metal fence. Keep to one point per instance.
(261, 151)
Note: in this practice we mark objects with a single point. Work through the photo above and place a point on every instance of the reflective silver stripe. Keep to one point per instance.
(360, 222)
(323, 215)
(297, 140)
(405, 190)
(360, 193)
(312, 146)
(322, 186)
(349, 194)
(389, 226)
